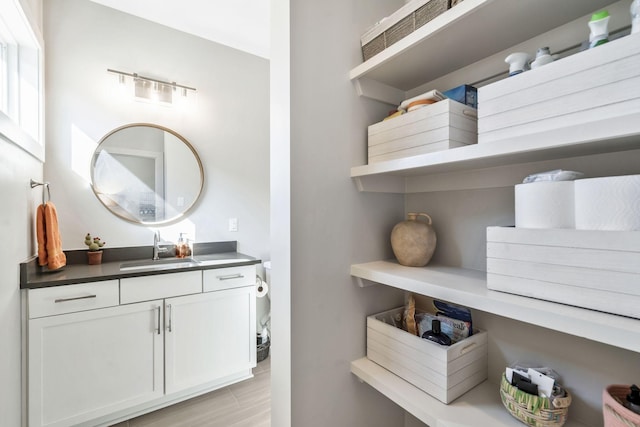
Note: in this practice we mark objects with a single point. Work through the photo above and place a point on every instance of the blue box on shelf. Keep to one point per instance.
(464, 94)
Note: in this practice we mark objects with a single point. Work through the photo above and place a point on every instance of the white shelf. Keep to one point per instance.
(481, 406)
(469, 288)
(447, 42)
(407, 175)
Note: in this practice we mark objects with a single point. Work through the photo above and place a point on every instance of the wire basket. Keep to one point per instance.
(614, 412)
(262, 351)
(533, 410)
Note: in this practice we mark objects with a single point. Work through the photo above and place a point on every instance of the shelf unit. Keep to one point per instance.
(439, 52)
(469, 288)
(481, 404)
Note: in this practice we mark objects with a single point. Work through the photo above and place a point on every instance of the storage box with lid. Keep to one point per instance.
(400, 24)
(594, 94)
(444, 372)
(598, 270)
(440, 126)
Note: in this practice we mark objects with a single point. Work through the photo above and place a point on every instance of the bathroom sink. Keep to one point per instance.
(167, 263)
(159, 264)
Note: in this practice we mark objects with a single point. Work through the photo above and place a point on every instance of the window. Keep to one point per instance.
(21, 76)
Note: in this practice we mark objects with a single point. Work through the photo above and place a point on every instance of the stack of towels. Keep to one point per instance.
(49, 244)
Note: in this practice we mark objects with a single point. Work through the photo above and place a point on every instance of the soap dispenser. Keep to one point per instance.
(181, 247)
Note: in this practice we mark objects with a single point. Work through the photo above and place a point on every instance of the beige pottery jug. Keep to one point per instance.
(413, 241)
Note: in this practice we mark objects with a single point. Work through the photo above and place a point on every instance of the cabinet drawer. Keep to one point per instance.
(227, 278)
(146, 288)
(72, 298)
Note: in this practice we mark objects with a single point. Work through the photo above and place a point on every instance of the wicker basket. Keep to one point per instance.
(615, 414)
(402, 23)
(533, 410)
(262, 351)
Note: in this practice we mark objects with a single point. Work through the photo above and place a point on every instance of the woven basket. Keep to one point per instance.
(262, 351)
(615, 414)
(403, 27)
(532, 410)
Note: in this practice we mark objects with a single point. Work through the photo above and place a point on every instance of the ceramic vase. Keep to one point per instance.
(413, 241)
(94, 257)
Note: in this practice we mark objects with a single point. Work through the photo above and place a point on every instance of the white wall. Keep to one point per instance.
(280, 209)
(17, 228)
(332, 225)
(229, 126)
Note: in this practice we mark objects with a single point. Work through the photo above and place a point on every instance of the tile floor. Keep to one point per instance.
(245, 404)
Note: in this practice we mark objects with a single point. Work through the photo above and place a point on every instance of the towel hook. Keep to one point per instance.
(35, 184)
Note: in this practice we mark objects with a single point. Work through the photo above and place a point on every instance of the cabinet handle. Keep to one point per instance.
(170, 317)
(74, 298)
(230, 276)
(159, 320)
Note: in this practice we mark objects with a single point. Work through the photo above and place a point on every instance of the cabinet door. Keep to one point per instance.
(92, 363)
(209, 336)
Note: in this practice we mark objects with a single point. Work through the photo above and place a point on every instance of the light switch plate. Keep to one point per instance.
(233, 224)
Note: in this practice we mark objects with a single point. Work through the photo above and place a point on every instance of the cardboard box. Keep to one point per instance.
(594, 94)
(464, 94)
(443, 372)
(440, 126)
(598, 270)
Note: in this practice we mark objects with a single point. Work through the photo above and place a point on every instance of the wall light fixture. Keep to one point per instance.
(154, 90)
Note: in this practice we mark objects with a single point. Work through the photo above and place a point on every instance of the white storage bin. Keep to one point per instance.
(436, 127)
(444, 372)
(588, 96)
(599, 270)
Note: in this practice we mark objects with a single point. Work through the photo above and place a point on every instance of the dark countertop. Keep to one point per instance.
(32, 276)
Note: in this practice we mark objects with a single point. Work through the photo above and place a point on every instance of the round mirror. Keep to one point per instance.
(146, 174)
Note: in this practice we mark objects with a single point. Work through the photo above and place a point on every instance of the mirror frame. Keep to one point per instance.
(178, 136)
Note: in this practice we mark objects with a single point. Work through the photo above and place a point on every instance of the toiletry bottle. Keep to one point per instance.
(635, 16)
(187, 247)
(543, 56)
(518, 62)
(180, 247)
(633, 399)
(436, 335)
(599, 28)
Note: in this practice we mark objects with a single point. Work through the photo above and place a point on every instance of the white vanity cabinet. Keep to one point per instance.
(91, 363)
(102, 352)
(208, 336)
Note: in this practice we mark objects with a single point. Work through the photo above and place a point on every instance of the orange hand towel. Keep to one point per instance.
(41, 236)
(48, 233)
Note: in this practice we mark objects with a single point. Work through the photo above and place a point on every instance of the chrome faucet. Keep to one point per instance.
(156, 246)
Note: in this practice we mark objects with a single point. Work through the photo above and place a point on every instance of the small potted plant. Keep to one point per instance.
(94, 255)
